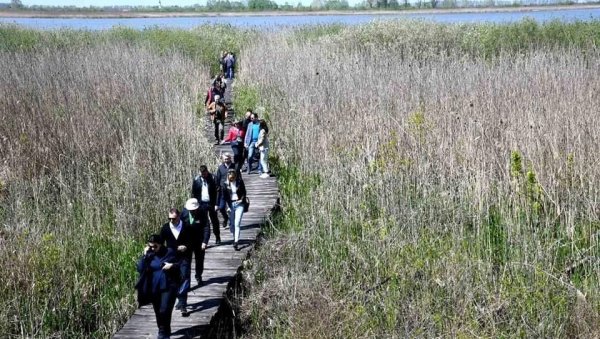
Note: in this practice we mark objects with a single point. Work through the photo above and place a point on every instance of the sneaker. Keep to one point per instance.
(265, 175)
(235, 246)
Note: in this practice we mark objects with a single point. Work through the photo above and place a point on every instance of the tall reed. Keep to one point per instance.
(429, 191)
(97, 142)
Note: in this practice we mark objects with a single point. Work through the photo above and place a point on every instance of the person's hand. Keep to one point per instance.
(203, 246)
(146, 250)
(216, 208)
(246, 145)
(181, 248)
(228, 209)
(167, 266)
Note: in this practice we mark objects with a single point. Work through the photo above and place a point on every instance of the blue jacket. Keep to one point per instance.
(252, 133)
(153, 279)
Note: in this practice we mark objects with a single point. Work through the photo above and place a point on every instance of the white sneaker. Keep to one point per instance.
(265, 175)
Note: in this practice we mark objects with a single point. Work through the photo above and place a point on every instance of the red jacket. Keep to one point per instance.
(233, 134)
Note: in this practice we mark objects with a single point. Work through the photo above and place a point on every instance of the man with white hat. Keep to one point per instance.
(191, 216)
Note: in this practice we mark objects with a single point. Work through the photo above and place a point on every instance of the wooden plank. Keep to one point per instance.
(220, 264)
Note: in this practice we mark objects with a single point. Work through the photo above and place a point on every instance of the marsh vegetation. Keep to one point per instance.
(437, 180)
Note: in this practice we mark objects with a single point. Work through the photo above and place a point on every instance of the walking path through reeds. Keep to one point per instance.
(220, 265)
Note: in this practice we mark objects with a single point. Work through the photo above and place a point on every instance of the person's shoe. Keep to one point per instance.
(184, 311)
(199, 281)
(179, 306)
(225, 223)
(235, 246)
(265, 175)
(218, 241)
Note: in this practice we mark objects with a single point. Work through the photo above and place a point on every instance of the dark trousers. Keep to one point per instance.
(209, 215)
(238, 157)
(214, 220)
(219, 130)
(184, 287)
(199, 258)
(163, 304)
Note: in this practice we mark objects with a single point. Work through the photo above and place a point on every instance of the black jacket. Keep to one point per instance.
(200, 228)
(212, 189)
(221, 175)
(225, 192)
(186, 238)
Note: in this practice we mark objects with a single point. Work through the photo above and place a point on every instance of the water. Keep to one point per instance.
(566, 15)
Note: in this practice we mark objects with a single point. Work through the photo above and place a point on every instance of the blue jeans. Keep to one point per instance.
(264, 161)
(235, 219)
(251, 149)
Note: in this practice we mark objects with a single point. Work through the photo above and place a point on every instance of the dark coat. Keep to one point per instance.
(185, 238)
(221, 175)
(225, 192)
(153, 279)
(200, 228)
(212, 189)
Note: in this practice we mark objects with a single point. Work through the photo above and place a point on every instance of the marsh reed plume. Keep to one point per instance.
(430, 190)
(96, 143)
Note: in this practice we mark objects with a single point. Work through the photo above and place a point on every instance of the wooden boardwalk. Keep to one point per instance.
(220, 266)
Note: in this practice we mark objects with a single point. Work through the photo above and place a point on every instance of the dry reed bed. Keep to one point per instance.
(96, 143)
(442, 195)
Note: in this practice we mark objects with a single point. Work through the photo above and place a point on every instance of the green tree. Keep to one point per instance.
(16, 4)
(261, 4)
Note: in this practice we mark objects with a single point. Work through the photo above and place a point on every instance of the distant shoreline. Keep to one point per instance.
(124, 15)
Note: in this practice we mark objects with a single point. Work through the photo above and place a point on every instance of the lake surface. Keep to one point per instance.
(566, 15)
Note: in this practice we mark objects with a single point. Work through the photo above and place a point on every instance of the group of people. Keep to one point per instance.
(165, 265)
(249, 140)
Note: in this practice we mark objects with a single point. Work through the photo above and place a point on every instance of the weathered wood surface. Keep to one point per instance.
(220, 265)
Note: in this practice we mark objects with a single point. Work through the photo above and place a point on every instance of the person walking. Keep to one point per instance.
(220, 179)
(159, 280)
(218, 118)
(247, 120)
(233, 195)
(229, 61)
(251, 138)
(263, 146)
(204, 189)
(236, 138)
(179, 237)
(199, 224)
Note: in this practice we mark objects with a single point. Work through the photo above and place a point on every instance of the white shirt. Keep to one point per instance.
(234, 188)
(176, 229)
(204, 196)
